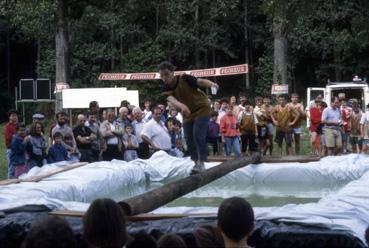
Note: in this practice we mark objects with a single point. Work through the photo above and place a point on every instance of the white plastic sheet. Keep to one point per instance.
(346, 209)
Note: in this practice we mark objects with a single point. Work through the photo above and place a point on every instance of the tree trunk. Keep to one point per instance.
(8, 61)
(38, 55)
(62, 50)
(337, 64)
(247, 80)
(197, 50)
(280, 43)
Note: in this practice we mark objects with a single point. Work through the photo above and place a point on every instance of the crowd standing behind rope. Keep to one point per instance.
(239, 129)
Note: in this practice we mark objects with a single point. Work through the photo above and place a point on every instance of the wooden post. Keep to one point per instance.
(153, 199)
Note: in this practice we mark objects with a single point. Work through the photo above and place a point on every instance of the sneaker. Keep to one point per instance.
(198, 168)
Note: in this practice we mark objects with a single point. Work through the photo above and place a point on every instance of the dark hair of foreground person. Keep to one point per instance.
(51, 231)
(104, 224)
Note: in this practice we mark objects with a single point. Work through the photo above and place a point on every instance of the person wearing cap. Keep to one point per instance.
(182, 92)
(38, 117)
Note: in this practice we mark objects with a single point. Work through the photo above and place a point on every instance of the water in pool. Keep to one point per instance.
(259, 195)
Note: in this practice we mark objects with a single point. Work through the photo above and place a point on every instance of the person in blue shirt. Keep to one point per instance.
(57, 152)
(18, 151)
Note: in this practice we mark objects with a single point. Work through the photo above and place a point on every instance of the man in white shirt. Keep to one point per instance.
(138, 124)
(155, 133)
(112, 133)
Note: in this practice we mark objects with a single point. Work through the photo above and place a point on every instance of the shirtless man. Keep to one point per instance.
(297, 127)
(284, 118)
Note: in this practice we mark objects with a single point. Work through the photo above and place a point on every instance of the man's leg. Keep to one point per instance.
(279, 136)
(188, 133)
(338, 141)
(11, 171)
(270, 132)
(199, 136)
(296, 135)
(330, 140)
(288, 139)
(228, 144)
(236, 146)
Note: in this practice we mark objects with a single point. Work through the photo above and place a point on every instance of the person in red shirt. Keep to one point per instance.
(315, 120)
(229, 132)
(9, 132)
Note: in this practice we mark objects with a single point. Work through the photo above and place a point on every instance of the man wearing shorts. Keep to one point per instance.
(284, 118)
(331, 118)
(297, 127)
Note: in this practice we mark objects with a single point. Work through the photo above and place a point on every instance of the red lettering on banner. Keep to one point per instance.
(143, 76)
(112, 76)
(203, 73)
(233, 70)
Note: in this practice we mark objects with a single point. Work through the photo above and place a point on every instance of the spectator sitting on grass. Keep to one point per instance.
(57, 152)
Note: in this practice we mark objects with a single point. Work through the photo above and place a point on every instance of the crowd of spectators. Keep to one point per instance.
(234, 128)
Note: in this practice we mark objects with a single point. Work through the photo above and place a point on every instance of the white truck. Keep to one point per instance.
(356, 89)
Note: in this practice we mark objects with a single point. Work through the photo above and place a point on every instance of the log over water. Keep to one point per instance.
(156, 198)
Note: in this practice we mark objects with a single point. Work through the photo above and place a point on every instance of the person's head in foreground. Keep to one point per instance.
(235, 221)
(104, 225)
(171, 240)
(367, 236)
(51, 231)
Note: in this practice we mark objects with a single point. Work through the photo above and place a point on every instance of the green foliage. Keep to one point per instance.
(325, 38)
(264, 71)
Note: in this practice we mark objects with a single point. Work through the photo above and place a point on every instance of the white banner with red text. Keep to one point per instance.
(213, 72)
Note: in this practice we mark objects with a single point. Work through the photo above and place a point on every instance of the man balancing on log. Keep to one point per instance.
(183, 92)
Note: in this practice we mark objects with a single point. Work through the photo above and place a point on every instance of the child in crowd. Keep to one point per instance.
(247, 122)
(18, 151)
(57, 151)
(130, 143)
(180, 140)
(230, 135)
(171, 124)
(213, 132)
(73, 154)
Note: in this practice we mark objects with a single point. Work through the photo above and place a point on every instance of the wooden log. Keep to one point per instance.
(153, 199)
(52, 172)
(273, 159)
(140, 217)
